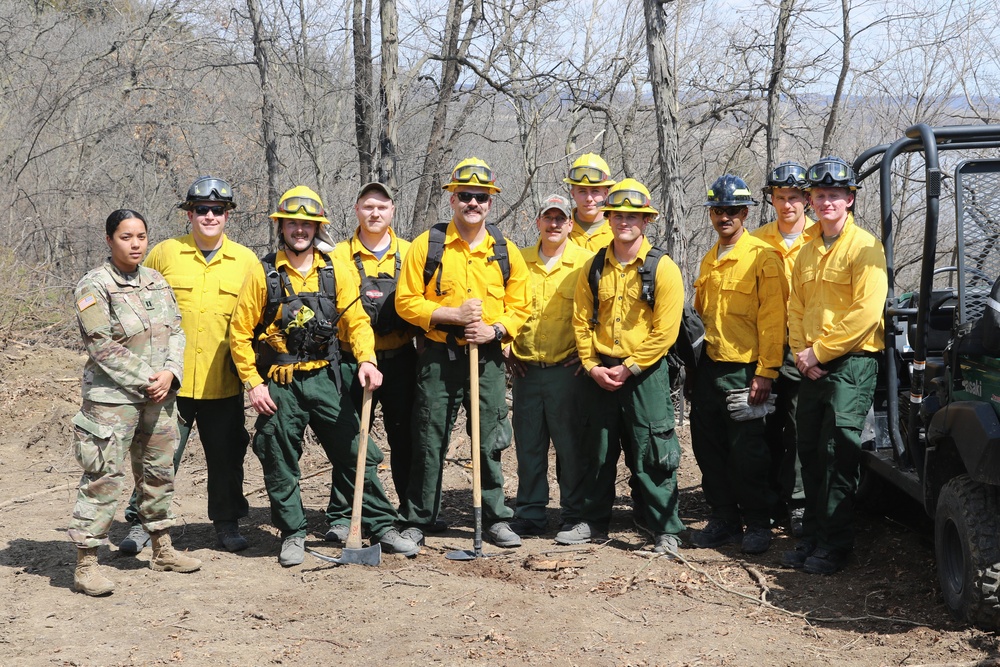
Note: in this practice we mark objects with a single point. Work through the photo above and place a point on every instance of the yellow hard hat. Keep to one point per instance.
(474, 172)
(590, 170)
(300, 203)
(629, 195)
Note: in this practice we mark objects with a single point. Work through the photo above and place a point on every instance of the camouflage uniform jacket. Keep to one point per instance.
(131, 327)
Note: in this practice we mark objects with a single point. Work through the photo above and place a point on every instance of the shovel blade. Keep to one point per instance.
(461, 554)
(371, 556)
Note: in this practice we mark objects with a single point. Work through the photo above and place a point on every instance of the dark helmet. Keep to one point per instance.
(208, 188)
(832, 172)
(729, 190)
(786, 175)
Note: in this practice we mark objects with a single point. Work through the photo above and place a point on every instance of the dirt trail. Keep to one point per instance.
(608, 604)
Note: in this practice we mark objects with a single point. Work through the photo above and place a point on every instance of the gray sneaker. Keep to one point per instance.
(293, 551)
(578, 534)
(393, 542)
(136, 540)
(337, 533)
(228, 536)
(669, 545)
(502, 536)
(414, 535)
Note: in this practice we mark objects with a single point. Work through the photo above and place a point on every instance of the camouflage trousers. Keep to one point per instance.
(102, 436)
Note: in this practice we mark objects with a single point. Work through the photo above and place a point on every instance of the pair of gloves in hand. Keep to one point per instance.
(282, 374)
(738, 404)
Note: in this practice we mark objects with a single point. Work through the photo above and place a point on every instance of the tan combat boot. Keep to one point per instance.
(88, 578)
(166, 558)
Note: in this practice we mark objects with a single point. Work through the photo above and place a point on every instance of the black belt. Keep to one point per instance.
(610, 362)
(545, 364)
(870, 355)
(464, 349)
(389, 354)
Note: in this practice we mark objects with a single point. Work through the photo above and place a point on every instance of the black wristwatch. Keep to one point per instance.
(498, 331)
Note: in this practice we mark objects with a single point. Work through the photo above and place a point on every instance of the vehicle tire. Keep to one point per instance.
(967, 547)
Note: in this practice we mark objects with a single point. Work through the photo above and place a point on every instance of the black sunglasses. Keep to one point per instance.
(217, 211)
(466, 197)
(731, 211)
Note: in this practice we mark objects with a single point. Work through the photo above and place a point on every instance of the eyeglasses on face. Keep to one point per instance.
(731, 211)
(466, 197)
(557, 220)
(217, 211)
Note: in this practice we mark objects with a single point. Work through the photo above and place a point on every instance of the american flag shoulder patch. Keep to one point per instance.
(86, 302)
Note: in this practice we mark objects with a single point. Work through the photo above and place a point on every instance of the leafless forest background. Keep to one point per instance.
(123, 103)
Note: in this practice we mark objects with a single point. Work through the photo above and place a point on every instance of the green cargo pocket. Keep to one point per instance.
(92, 443)
(849, 420)
(503, 435)
(664, 451)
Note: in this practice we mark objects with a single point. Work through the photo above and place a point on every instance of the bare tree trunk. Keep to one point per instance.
(772, 129)
(429, 188)
(774, 82)
(845, 68)
(661, 78)
(266, 113)
(389, 94)
(364, 115)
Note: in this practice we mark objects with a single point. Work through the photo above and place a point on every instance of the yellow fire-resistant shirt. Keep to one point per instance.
(626, 326)
(465, 274)
(838, 295)
(353, 328)
(741, 299)
(206, 295)
(547, 337)
(345, 251)
(595, 240)
(771, 235)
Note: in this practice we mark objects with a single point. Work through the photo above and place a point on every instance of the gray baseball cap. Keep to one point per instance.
(557, 202)
(374, 185)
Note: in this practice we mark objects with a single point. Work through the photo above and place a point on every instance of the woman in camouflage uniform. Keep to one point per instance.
(131, 328)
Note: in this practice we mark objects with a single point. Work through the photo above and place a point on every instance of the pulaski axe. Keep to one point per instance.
(353, 553)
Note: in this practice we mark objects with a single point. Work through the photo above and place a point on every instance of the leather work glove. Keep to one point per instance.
(277, 342)
(737, 402)
(282, 374)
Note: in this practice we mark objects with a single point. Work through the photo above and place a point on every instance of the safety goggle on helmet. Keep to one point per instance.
(472, 172)
(832, 172)
(786, 175)
(629, 196)
(208, 189)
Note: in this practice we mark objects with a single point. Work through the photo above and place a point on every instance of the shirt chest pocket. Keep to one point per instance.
(229, 291)
(184, 292)
(129, 314)
(737, 295)
(840, 287)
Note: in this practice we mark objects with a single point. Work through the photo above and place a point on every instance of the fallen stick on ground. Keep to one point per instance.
(24, 499)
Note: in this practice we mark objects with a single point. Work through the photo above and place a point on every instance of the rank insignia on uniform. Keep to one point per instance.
(86, 302)
(148, 303)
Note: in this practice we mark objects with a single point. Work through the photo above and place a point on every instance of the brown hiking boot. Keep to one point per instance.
(168, 559)
(88, 578)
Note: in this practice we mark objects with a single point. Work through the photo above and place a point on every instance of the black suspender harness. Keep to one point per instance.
(432, 265)
(312, 340)
(378, 298)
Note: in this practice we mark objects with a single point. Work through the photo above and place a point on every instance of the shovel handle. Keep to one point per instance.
(354, 536)
(477, 484)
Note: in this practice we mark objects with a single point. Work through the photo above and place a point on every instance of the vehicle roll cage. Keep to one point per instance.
(930, 141)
